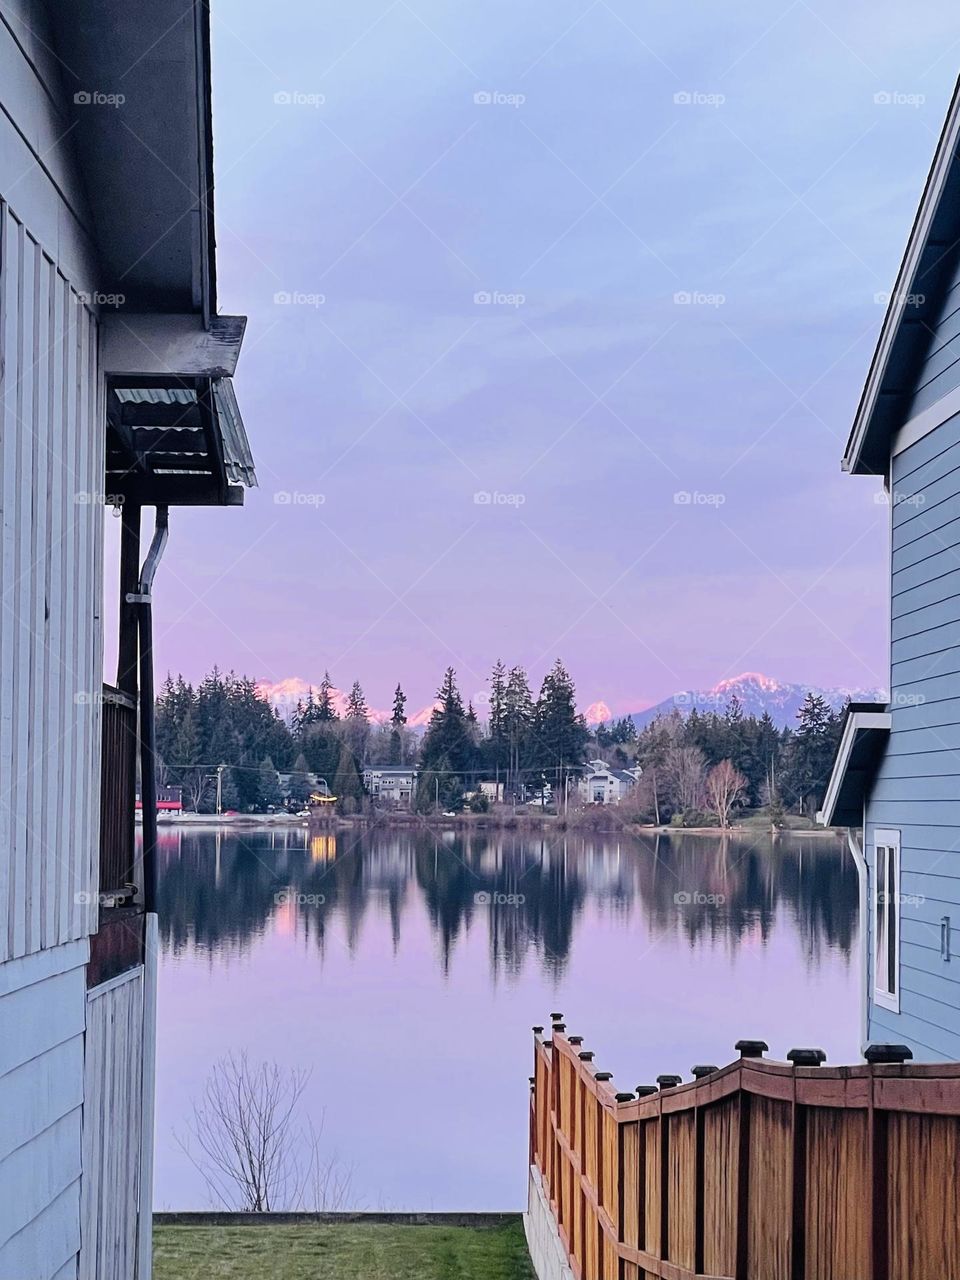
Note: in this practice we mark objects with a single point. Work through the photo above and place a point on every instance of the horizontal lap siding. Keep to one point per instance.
(41, 1094)
(917, 790)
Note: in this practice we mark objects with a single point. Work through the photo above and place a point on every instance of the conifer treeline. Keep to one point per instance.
(522, 741)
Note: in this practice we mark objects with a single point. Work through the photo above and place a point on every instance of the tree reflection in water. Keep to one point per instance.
(219, 891)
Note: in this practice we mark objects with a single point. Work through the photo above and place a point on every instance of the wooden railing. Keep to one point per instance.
(117, 791)
(757, 1171)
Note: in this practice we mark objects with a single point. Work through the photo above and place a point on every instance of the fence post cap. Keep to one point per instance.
(703, 1069)
(751, 1048)
(669, 1081)
(644, 1090)
(624, 1097)
(881, 1053)
(603, 1075)
(807, 1057)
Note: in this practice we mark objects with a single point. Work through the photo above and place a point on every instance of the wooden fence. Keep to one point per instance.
(757, 1171)
(117, 790)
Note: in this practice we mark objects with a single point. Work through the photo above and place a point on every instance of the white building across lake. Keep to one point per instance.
(115, 389)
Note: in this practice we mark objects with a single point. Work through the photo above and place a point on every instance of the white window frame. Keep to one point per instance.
(886, 844)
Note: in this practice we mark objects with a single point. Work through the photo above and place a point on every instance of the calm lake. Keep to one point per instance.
(404, 970)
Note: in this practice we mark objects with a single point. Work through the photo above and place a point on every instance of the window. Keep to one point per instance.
(886, 950)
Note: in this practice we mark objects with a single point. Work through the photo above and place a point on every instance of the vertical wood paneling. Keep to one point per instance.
(837, 1194)
(720, 1171)
(111, 1130)
(51, 460)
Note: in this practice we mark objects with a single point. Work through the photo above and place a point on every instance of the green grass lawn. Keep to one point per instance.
(348, 1252)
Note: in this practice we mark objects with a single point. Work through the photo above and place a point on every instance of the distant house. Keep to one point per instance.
(601, 784)
(169, 799)
(391, 783)
(115, 390)
(896, 780)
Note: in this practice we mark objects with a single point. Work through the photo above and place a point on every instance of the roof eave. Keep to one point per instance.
(858, 722)
(865, 454)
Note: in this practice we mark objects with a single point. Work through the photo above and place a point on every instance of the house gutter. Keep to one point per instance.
(143, 599)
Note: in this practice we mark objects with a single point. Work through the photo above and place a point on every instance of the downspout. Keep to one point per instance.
(148, 774)
(143, 600)
(860, 861)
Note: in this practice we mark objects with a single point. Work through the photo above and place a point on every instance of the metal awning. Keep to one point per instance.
(176, 441)
(866, 730)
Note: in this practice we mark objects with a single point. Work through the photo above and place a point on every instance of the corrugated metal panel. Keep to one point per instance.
(51, 464)
(109, 1193)
(236, 447)
(237, 456)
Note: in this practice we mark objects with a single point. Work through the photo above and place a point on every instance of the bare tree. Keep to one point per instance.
(685, 772)
(725, 786)
(246, 1130)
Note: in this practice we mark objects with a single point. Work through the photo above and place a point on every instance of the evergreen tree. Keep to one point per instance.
(357, 722)
(559, 735)
(498, 736)
(347, 784)
(449, 745)
(299, 788)
(270, 794)
(811, 753)
(398, 723)
(517, 719)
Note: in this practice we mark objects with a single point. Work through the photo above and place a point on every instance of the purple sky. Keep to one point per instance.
(780, 196)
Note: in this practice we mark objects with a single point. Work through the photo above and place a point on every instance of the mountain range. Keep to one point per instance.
(757, 693)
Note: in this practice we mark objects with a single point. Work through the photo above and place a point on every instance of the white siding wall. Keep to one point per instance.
(51, 467)
(111, 1129)
(42, 1012)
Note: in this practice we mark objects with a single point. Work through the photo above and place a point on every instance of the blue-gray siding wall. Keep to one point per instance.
(917, 791)
(940, 371)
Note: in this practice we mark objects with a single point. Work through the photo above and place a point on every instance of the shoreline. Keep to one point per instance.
(475, 822)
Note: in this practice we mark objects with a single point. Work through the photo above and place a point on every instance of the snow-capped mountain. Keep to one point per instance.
(757, 693)
(285, 694)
